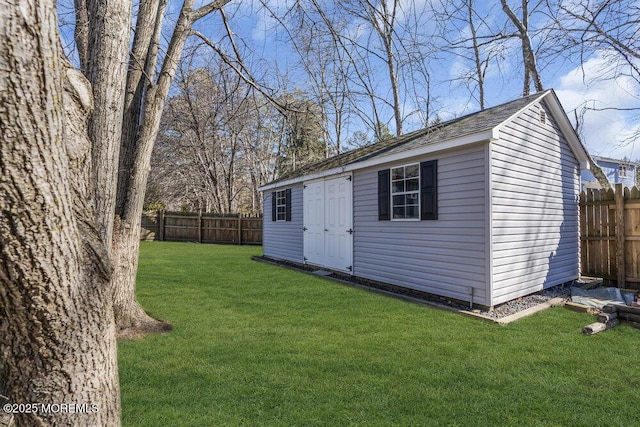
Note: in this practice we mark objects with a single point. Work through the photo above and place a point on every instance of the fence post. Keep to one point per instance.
(239, 229)
(620, 237)
(161, 225)
(200, 226)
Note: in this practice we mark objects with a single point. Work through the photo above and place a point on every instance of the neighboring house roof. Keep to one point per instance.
(600, 159)
(480, 126)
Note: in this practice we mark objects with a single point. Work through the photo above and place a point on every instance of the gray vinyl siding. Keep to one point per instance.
(283, 239)
(444, 256)
(535, 181)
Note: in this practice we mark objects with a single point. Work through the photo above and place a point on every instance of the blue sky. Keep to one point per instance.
(604, 133)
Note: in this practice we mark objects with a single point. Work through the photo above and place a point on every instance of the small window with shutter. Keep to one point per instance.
(281, 205)
(408, 192)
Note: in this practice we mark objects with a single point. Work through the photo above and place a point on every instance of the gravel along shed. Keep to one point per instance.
(481, 208)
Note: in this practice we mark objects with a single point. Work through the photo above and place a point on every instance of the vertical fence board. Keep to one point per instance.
(161, 225)
(620, 236)
(591, 229)
(597, 233)
(584, 253)
(632, 235)
(611, 243)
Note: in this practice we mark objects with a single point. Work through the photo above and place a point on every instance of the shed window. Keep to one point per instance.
(405, 192)
(408, 192)
(281, 205)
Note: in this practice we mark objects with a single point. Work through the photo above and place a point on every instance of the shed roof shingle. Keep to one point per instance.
(451, 129)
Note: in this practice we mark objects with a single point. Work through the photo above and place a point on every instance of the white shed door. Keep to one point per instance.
(313, 219)
(328, 222)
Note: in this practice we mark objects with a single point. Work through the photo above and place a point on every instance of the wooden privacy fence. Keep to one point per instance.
(610, 235)
(202, 227)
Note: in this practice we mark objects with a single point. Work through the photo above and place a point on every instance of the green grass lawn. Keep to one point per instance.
(255, 344)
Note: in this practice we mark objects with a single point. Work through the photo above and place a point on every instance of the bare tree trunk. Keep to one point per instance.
(81, 32)
(476, 53)
(107, 71)
(528, 55)
(393, 75)
(230, 175)
(129, 314)
(393, 78)
(144, 109)
(59, 345)
(141, 73)
(382, 17)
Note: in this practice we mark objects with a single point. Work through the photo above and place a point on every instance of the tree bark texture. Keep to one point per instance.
(129, 314)
(106, 69)
(140, 76)
(57, 334)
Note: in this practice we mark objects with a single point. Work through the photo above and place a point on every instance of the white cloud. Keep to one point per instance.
(457, 106)
(606, 132)
(258, 20)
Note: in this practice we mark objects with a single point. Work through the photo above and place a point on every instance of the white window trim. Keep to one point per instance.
(281, 195)
(391, 193)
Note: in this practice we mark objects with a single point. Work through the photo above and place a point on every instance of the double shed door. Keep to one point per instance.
(328, 223)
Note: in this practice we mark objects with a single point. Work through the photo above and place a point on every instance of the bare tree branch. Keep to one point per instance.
(238, 66)
(208, 8)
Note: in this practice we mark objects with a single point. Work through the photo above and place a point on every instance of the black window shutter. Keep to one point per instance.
(429, 189)
(273, 206)
(384, 196)
(287, 195)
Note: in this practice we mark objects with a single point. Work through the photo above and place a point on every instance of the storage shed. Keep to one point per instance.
(481, 208)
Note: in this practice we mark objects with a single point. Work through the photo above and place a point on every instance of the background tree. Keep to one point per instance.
(261, 149)
(606, 28)
(303, 141)
(327, 68)
(205, 117)
(363, 41)
(381, 18)
(476, 38)
(342, 67)
(215, 147)
(392, 35)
